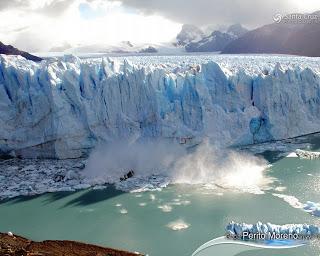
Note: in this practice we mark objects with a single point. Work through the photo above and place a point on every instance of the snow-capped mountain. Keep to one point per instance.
(62, 108)
(217, 40)
(189, 33)
(213, 43)
(280, 38)
(237, 30)
(10, 50)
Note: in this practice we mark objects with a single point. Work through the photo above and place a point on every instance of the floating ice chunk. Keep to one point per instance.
(123, 211)
(165, 208)
(70, 175)
(178, 225)
(316, 212)
(292, 154)
(152, 197)
(185, 202)
(182, 202)
(293, 201)
(312, 208)
(82, 186)
(99, 187)
(280, 188)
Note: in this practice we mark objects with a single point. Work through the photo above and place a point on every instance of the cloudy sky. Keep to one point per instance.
(39, 25)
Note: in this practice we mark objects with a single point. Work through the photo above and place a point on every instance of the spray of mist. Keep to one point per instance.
(205, 164)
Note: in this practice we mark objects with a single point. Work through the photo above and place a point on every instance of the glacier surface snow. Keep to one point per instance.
(63, 107)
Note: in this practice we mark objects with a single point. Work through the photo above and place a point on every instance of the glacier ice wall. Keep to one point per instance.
(62, 108)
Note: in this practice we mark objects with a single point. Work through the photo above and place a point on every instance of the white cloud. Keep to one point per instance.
(100, 22)
(251, 13)
(39, 25)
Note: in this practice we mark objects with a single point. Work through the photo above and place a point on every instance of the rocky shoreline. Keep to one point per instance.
(13, 245)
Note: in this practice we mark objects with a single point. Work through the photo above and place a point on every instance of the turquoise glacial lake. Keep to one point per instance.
(145, 222)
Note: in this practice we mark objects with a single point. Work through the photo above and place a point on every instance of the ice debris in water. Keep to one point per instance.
(312, 208)
(237, 229)
(307, 154)
(31, 177)
(165, 208)
(123, 211)
(27, 177)
(309, 207)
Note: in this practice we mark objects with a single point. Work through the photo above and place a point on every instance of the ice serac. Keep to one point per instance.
(62, 108)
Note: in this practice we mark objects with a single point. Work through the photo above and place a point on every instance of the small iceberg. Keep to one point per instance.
(123, 211)
(312, 208)
(178, 225)
(165, 208)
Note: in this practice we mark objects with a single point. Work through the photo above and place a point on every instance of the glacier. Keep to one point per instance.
(63, 107)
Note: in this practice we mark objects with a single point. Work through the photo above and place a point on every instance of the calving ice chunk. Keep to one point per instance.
(62, 108)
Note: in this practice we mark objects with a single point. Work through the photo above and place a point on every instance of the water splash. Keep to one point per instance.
(224, 168)
(206, 164)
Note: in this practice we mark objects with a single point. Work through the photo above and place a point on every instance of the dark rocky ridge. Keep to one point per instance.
(12, 245)
(10, 50)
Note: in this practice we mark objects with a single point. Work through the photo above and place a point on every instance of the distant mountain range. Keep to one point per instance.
(285, 37)
(280, 38)
(10, 50)
(195, 40)
(189, 33)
